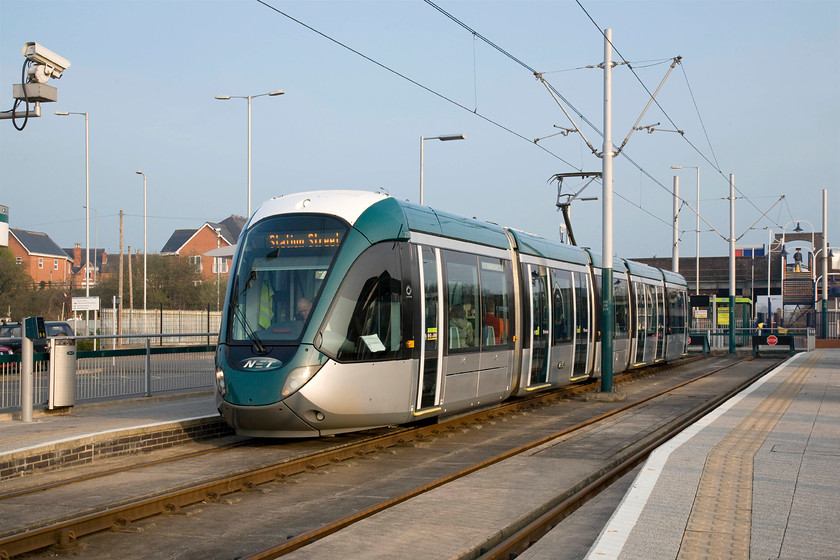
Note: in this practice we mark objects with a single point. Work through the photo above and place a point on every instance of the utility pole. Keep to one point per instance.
(607, 309)
(130, 283)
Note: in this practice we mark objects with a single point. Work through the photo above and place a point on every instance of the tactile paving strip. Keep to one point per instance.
(720, 520)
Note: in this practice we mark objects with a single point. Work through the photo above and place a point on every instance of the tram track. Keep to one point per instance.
(530, 533)
(68, 530)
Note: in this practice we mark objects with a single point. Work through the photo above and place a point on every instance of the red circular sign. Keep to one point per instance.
(689, 340)
(772, 340)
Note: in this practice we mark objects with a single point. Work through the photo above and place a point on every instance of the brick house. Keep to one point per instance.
(41, 257)
(194, 243)
(98, 259)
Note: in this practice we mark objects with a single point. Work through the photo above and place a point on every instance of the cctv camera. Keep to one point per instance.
(47, 63)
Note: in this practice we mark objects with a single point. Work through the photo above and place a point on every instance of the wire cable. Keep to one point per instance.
(415, 82)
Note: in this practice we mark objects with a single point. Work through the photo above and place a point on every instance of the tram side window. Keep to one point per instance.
(495, 318)
(676, 316)
(562, 305)
(622, 308)
(462, 291)
(364, 322)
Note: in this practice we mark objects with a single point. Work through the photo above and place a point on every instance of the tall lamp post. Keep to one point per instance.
(697, 211)
(444, 138)
(249, 98)
(87, 210)
(144, 245)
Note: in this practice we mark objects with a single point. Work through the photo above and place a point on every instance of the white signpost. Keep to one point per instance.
(90, 303)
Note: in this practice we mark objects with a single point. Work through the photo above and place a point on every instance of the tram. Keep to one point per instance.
(348, 310)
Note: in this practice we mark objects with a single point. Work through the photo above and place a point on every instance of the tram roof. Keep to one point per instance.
(530, 244)
(643, 270)
(395, 219)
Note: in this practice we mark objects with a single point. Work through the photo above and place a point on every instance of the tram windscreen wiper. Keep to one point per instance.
(240, 316)
(258, 345)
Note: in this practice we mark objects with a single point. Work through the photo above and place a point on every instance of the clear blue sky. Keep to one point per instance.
(765, 77)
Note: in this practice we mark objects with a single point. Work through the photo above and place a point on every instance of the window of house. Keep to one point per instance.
(220, 265)
(196, 260)
(55, 264)
(40, 262)
(18, 260)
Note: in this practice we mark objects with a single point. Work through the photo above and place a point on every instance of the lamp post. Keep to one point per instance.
(87, 209)
(444, 138)
(144, 245)
(697, 211)
(249, 98)
(95, 240)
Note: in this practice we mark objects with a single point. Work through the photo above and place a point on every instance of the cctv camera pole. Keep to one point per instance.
(607, 310)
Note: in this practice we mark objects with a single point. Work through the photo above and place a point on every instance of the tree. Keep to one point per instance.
(20, 297)
(171, 283)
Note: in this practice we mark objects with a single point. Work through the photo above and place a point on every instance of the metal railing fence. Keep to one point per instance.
(142, 369)
(804, 339)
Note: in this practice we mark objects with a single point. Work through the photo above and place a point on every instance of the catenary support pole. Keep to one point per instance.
(731, 263)
(607, 309)
(675, 248)
(825, 269)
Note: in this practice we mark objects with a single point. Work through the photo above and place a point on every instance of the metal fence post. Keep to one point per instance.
(148, 364)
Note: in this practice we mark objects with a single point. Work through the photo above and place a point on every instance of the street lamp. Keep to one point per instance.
(87, 208)
(249, 98)
(444, 138)
(697, 211)
(144, 245)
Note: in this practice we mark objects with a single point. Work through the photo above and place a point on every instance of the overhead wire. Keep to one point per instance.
(531, 69)
(415, 82)
(690, 143)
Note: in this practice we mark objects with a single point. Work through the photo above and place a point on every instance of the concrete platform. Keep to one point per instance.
(758, 478)
(770, 491)
(100, 430)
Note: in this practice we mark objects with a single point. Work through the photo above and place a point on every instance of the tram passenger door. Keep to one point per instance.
(431, 349)
(563, 320)
(660, 323)
(540, 321)
(582, 324)
(641, 326)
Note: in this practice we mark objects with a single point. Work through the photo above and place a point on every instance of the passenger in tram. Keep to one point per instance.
(459, 324)
(491, 320)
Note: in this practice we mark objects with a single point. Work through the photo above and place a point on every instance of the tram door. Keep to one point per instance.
(641, 325)
(431, 349)
(660, 322)
(540, 321)
(582, 324)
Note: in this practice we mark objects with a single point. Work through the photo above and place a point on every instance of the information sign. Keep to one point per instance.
(86, 303)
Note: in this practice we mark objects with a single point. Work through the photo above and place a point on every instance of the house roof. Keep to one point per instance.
(177, 240)
(96, 257)
(38, 243)
(230, 229)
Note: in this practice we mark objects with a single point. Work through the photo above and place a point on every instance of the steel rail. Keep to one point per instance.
(531, 533)
(309, 537)
(64, 533)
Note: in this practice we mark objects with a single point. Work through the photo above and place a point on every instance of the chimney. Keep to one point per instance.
(77, 255)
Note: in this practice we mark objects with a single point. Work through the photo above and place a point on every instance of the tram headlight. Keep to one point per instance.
(297, 378)
(220, 381)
